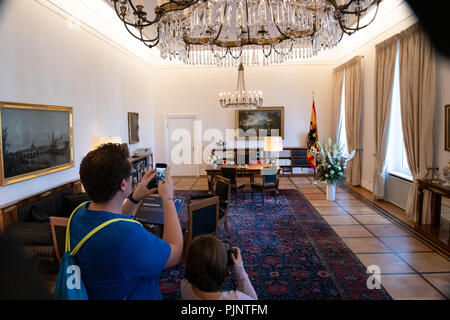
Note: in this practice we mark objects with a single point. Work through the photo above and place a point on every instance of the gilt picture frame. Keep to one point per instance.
(36, 140)
(264, 118)
(447, 127)
(133, 127)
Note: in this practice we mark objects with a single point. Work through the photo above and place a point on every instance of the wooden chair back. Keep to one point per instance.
(58, 226)
(203, 218)
(230, 174)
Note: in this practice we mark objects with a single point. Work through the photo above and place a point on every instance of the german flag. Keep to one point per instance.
(313, 138)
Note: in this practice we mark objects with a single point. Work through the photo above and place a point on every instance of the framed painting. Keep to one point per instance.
(133, 127)
(447, 127)
(36, 140)
(266, 118)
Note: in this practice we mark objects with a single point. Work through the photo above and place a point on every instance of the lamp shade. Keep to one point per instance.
(97, 142)
(273, 144)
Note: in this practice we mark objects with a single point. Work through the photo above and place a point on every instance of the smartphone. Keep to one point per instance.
(161, 169)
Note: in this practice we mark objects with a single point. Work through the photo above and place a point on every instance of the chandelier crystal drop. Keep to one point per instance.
(253, 32)
(241, 99)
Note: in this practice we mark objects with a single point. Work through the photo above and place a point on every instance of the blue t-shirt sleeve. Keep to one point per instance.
(142, 254)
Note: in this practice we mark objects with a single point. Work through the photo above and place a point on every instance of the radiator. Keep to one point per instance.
(397, 190)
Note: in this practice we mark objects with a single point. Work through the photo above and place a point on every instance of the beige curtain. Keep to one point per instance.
(338, 79)
(353, 102)
(417, 96)
(384, 79)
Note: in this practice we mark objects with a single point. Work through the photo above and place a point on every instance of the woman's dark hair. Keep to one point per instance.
(206, 265)
(103, 169)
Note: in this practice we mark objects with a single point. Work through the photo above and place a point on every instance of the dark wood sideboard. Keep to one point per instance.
(431, 231)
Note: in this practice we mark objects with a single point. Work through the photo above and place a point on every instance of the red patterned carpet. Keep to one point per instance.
(289, 252)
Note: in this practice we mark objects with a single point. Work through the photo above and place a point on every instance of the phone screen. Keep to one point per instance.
(160, 174)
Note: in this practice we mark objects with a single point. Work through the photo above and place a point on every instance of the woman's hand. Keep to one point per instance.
(238, 259)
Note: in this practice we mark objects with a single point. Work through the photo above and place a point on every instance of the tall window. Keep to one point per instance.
(343, 133)
(397, 162)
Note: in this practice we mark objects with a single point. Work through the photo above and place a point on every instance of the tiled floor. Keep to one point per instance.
(409, 268)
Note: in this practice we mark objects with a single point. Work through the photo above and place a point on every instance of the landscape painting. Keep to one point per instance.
(35, 140)
(267, 118)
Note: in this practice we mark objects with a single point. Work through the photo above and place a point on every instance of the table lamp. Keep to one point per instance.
(97, 142)
(273, 144)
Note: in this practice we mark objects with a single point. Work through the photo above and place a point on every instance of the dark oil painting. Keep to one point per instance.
(34, 140)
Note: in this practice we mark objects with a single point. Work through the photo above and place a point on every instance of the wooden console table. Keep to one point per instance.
(431, 231)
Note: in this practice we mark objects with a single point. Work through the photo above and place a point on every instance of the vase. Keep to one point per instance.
(215, 165)
(331, 190)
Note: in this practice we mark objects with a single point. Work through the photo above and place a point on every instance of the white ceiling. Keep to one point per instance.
(101, 18)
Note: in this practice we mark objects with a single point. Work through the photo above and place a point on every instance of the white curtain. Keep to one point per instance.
(417, 96)
(338, 79)
(384, 79)
(353, 106)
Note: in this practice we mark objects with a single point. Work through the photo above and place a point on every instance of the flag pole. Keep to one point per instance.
(314, 181)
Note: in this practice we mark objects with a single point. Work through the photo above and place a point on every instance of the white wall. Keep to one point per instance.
(42, 61)
(187, 90)
(397, 20)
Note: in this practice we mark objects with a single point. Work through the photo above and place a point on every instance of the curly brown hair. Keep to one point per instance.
(103, 169)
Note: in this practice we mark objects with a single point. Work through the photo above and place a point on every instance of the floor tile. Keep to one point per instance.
(330, 210)
(404, 244)
(388, 262)
(371, 219)
(311, 191)
(323, 203)
(441, 281)
(409, 287)
(342, 196)
(386, 230)
(359, 210)
(340, 220)
(351, 231)
(426, 262)
(349, 202)
(366, 245)
(315, 196)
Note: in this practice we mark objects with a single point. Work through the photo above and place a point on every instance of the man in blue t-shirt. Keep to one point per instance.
(122, 260)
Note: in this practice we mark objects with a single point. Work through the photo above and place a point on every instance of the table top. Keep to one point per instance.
(246, 167)
(430, 184)
(152, 212)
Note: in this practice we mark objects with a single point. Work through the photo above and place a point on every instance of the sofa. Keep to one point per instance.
(30, 223)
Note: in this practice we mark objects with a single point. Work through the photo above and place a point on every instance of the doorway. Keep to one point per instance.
(179, 137)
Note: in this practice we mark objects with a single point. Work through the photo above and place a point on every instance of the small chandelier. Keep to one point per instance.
(241, 99)
(228, 32)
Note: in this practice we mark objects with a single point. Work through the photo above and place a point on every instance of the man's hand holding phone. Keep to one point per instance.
(165, 187)
(141, 191)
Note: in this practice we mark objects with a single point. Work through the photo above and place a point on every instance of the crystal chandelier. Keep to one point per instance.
(241, 99)
(253, 32)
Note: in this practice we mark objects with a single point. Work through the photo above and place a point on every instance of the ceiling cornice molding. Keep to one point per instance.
(105, 25)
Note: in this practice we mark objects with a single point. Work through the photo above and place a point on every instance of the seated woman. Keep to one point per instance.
(207, 269)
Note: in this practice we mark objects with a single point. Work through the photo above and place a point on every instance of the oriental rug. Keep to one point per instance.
(289, 252)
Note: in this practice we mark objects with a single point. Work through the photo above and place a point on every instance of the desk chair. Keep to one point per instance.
(270, 181)
(58, 226)
(223, 191)
(203, 218)
(231, 174)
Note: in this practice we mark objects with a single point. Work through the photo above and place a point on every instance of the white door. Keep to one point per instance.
(180, 145)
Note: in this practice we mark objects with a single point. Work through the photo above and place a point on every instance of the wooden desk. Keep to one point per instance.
(431, 231)
(249, 170)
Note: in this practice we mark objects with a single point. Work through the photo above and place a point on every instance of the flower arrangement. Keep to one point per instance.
(213, 159)
(331, 161)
